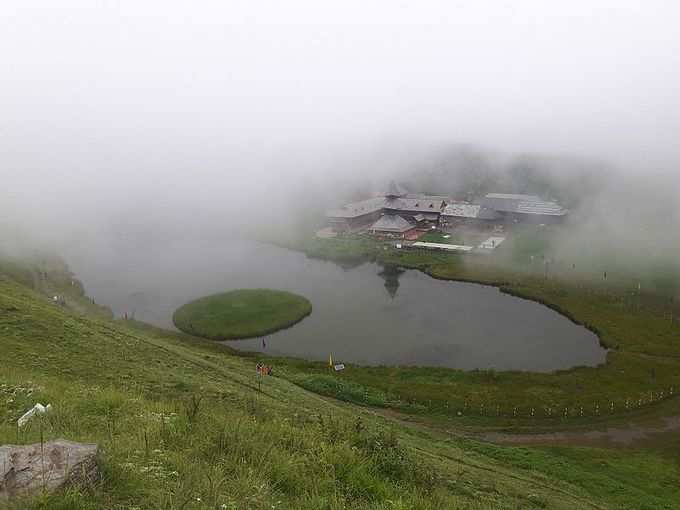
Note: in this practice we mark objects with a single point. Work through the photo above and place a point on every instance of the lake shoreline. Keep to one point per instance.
(640, 347)
(639, 340)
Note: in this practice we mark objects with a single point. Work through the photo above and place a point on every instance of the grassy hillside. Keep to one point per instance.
(181, 424)
(50, 277)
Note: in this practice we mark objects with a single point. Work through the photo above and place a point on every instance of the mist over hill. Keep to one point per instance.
(146, 123)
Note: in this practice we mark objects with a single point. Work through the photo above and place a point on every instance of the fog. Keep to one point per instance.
(171, 119)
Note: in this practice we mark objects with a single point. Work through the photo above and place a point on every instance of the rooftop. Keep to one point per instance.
(391, 223)
(396, 198)
(524, 204)
(355, 209)
(513, 196)
(462, 210)
(395, 190)
(474, 211)
(424, 204)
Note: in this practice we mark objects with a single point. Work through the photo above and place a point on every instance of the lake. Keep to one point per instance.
(368, 315)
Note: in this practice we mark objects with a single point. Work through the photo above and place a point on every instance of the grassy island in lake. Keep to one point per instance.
(239, 314)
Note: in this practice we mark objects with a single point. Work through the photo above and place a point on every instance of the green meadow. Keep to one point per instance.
(243, 313)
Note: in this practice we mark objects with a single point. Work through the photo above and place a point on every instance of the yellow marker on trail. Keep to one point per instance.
(330, 360)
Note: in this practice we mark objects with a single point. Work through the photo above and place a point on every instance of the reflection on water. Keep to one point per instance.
(391, 276)
(366, 314)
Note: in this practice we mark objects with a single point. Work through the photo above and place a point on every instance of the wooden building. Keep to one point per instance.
(415, 208)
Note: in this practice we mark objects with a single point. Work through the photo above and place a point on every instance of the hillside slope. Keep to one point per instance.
(182, 424)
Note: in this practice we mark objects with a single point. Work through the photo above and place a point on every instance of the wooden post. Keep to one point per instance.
(671, 311)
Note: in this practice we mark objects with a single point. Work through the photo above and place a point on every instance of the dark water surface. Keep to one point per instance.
(368, 315)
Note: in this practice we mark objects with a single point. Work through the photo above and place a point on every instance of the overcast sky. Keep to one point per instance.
(133, 97)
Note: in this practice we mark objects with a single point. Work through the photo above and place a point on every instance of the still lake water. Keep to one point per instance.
(367, 315)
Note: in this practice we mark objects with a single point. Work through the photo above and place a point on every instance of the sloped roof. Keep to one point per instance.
(513, 196)
(356, 209)
(542, 208)
(396, 204)
(525, 204)
(462, 210)
(424, 205)
(410, 203)
(395, 190)
(391, 223)
(473, 211)
(443, 198)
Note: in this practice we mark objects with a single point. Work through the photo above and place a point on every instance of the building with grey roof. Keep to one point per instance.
(472, 214)
(420, 209)
(391, 225)
(395, 201)
(356, 215)
(524, 208)
(461, 210)
(429, 208)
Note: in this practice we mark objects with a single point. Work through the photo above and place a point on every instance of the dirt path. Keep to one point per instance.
(633, 434)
